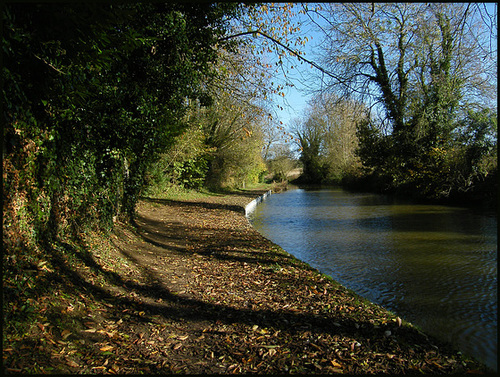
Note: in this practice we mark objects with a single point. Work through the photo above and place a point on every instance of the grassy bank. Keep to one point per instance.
(193, 288)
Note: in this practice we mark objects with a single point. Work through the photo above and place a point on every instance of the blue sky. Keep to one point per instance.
(296, 98)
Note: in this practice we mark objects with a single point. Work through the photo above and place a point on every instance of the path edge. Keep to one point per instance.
(250, 207)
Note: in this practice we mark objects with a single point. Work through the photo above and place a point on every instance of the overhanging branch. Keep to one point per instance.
(290, 50)
(342, 81)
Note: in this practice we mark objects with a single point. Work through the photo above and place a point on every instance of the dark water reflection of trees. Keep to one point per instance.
(434, 265)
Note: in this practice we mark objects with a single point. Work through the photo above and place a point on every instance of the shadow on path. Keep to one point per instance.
(241, 301)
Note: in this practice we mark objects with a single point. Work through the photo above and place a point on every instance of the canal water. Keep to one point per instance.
(435, 266)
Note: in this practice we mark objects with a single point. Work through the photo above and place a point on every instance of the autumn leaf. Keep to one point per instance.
(65, 334)
(335, 364)
(177, 346)
(72, 364)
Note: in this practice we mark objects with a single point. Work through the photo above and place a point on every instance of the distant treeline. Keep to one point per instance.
(409, 103)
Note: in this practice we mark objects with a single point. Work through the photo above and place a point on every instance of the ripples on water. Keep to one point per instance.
(436, 266)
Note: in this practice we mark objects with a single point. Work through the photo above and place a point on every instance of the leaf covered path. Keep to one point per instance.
(193, 288)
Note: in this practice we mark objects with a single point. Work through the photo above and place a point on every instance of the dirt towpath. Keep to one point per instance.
(237, 303)
(193, 288)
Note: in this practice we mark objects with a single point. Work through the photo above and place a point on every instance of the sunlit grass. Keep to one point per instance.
(182, 194)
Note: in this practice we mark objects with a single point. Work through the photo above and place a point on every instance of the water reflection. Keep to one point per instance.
(436, 266)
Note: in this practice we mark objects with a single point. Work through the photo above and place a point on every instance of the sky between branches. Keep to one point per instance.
(305, 77)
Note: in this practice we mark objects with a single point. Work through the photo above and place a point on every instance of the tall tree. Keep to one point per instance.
(420, 66)
(328, 138)
(309, 133)
(92, 94)
(385, 52)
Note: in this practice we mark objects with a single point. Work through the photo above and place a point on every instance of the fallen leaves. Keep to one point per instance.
(65, 334)
(248, 307)
(72, 364)
(177, 346)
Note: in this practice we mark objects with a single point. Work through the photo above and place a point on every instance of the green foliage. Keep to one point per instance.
(328, 139)
(185, 164)
(431, 153)
(421, 66)
(237, 165)
(460, 165)
(192, 173)
(93, 94)
(472, 161)
(310, 137)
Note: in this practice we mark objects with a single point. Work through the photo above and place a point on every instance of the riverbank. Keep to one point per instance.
(193, 288)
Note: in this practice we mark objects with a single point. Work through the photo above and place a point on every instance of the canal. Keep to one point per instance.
(435, 266)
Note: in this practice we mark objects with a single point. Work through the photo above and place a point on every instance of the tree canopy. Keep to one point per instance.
(104, 104)
(98, 97)
(422, 69)
(93, 93)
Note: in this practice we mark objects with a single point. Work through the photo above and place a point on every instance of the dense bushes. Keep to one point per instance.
(462, 166)
(457, 165)
(93, 94)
